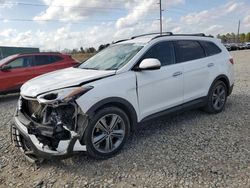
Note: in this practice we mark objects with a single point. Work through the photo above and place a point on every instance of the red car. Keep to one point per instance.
(17, 69)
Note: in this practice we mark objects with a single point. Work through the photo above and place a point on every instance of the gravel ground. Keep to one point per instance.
(193, 149)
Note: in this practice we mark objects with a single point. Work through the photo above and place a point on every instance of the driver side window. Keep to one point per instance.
(163, 51)
(21, 62)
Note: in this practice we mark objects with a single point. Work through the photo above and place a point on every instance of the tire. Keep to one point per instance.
(218, 92)
(106, 133)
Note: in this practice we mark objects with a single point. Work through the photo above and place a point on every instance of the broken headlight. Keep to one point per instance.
(63, 95)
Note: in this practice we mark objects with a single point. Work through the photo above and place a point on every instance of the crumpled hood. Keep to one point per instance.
(61, 79)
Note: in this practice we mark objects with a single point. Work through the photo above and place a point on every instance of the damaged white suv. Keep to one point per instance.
(93, 107)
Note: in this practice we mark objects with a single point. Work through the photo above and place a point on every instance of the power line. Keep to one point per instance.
(70, 6)
(63, 20)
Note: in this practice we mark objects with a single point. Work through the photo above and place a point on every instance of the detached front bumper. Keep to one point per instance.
(33, 149)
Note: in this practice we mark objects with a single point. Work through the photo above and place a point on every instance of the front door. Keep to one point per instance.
(160, 89)
(21, 70)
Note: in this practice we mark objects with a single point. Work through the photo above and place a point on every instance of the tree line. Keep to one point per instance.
(89, 50)
(234, 38)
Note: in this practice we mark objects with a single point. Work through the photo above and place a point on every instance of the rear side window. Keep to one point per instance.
(210, 48)
(55, 58)
(42, 60)
(163, 51)
(188, 50)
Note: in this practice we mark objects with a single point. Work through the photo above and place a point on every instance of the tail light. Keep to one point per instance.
(231, 60)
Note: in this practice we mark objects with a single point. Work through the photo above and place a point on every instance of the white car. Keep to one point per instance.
(93, 107)
(247, 45)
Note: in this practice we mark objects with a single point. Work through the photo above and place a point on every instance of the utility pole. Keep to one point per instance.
(160, 18)
(238, 34)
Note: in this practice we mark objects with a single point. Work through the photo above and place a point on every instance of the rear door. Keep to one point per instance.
(160, 89)
(21, 70)
(191, 56)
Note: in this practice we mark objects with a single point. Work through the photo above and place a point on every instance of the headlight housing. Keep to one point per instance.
(63, 95)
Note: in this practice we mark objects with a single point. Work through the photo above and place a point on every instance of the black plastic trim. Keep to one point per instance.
(36, 153)
(197, 103)
(147, 34)
(230, 90)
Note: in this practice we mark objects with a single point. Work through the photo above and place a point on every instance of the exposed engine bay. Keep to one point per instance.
(53, 121)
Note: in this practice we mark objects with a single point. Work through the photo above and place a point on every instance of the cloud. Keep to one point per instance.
(72, 10)
(212, 14)
(66, 37)
(141, 9)
(137, 14)
(217, 20)
(3, 1)
(214, 29)
(246, 21)
(7, 33)
(134, 19)
(6, 4)
(177, 30)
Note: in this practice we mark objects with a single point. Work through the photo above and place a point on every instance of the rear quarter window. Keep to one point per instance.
(55, 58)
(210, 48)
(187, 50)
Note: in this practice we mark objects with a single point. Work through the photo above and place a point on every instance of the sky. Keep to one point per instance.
(63, 24)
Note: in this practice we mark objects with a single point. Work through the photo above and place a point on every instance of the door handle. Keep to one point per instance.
(177, 74)
(210, 65)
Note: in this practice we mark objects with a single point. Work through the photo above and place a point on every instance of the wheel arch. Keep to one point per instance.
(121, 103)
(224, 79)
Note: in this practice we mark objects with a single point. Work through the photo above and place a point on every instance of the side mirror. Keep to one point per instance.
(5, 68)
(150, 64)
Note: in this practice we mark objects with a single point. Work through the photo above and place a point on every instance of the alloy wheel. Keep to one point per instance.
(108, 133)
(219, 97)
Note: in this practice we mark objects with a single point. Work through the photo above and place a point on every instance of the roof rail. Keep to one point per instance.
(120, 41)
(195, 34)
(165, 33)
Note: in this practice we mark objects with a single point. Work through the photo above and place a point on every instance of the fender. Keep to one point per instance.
(126, 106)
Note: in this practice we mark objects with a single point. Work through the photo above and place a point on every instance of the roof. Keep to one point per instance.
(41, 53)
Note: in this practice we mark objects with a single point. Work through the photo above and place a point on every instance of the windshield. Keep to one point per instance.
(2, 61)
(113, 57)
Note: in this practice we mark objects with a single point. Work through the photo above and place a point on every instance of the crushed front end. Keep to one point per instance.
(49, 126)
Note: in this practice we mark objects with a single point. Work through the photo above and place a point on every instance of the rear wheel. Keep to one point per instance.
(217, 98)
(107, 132)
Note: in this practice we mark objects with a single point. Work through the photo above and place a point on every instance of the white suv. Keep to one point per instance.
(93, 107)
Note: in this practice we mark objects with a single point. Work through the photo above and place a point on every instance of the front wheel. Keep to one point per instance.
(217, 98)
(107, 132)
